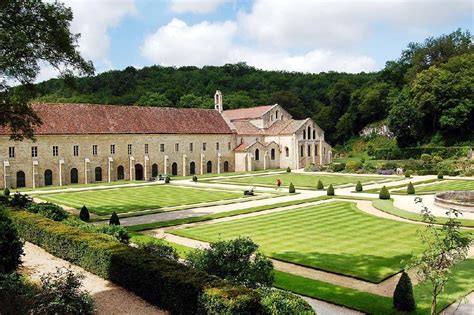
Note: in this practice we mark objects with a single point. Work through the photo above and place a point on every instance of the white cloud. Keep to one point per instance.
(195, 6)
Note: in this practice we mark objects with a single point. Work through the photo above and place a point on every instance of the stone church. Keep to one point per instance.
(85, 143)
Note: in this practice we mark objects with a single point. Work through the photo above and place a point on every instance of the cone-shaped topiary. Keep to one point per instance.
(403, 298)
(288, 169)
(84, 214)
(359, 186)
(114, 219)
(410, 189)
(292, 189)
(6, 192)
(330, 191)
(440, 175)
(195, 178)
(167, 179)
(320, 185)
(384, 193)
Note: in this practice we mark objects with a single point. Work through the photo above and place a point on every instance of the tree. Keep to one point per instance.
(359, 186)
(384, 193)
(11, 246)
(84, 214)
(237, 260)
(444, 248)
(403, 298)
(330, 191)
(33, 33)
(194, 101)
(404, 120)
(114, 219)
(291, 189)
(153, 99)
(410, 189)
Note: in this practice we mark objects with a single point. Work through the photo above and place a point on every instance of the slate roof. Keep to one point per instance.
(247, 113)
(280, 127)
(113, 119)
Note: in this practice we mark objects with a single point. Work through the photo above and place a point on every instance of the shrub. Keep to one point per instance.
(353, 166)
(436, 159)
(60, 294)
(338, 167)
(118, 232)
(403, 298)
(16, 294)
(279, 302)
(167, 179)
(4, 200)
(114, 219)
(20, 201)
(425, 158)
(359, 187)
(410, 189)
(440, 175)
(384, 193)
(158, 249)
(288, 169)
(408, 174)
(320, 185)
(237, 260)
(48, 210)
(6, 192)
(330, 191)
(84, 214)
(195, 178)
(11, 247)
(229, 301)
(291, 189)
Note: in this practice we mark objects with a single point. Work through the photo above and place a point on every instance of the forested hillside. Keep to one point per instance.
(427, 95)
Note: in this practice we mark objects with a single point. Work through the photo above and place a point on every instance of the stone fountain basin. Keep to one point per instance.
(458, 199)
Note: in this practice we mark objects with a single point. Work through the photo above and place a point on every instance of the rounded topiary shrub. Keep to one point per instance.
(275, 301)
(408, 174)
(6, 192)
(11, 247)
(292, 189)
(359, 186)
(440, 175)
(84, 214)
(167, 179)
(288, 169)
(114, 219)
(195, 178)
(410, 189)
(403, 298)
(320, 185)
(330, 191)
(384, 193)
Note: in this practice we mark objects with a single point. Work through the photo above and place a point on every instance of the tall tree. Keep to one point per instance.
(32, 33)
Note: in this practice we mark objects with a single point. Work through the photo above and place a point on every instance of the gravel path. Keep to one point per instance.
(108, 297)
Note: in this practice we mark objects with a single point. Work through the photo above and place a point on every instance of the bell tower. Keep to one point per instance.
(218, 101)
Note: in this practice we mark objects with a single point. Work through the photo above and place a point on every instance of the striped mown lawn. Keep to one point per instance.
(302, 180)
(444, 185)
(334, 236)
(128, 199)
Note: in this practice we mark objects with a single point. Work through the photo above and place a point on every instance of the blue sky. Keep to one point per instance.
(297, 35)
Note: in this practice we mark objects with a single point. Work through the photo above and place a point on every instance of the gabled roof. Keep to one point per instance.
(112, 119)
(280, 127)
(245, 146)
(247, 113)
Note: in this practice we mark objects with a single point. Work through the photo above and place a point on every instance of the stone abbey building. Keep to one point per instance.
(83, 143)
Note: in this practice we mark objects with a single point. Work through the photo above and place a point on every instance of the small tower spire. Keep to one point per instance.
(218, 101)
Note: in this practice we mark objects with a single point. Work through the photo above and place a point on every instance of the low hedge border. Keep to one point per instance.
(164, 283)
(416, 152)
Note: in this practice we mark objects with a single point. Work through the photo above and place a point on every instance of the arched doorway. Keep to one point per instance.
(154, 170)
(48, 178)
(209, 166)
(138, 172)
(174, 169)
(226, 167)
(20, 179)
(98, 174)
(120, 172)
(257, 154)
(192, 168)
(272, 154)
(74, 176)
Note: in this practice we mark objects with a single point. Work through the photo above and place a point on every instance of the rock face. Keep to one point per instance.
(458, 199)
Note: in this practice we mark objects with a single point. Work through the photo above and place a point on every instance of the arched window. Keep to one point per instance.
(314, 133)
(309, 150)
(98, 174)
(120, 172)
(209, 166)
(154, 170)
(20, 179)
(174, 169)
(304, 134)
(309, 132)
(257, 154)
(301, 150)
(192, 168)
(287, 152)
(316, 151)
(276, 114)
(74, 176)
(48, 178)
(226, 167)
(272, 154)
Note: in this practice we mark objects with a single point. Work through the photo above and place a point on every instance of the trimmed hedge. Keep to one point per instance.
(164, 283)
(416, 152)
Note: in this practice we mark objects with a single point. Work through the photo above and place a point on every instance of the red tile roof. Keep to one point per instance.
(112, 119)
(247, 113)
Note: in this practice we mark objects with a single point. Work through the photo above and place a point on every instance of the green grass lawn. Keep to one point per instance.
(301, 180)
(444, 185)
(127, 199)
(335, 236)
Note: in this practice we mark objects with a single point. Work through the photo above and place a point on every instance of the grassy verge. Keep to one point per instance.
(388, 207)
(377, 190)
(161, 224)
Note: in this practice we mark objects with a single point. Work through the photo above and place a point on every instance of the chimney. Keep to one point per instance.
(218, 101)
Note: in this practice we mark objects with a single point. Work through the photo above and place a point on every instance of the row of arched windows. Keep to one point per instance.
(272, 154)
(308, 151)
(309, 133)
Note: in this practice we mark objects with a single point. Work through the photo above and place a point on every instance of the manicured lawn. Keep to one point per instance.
(444, 185)
(335, 236)
(128, 199)
(302, 180)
